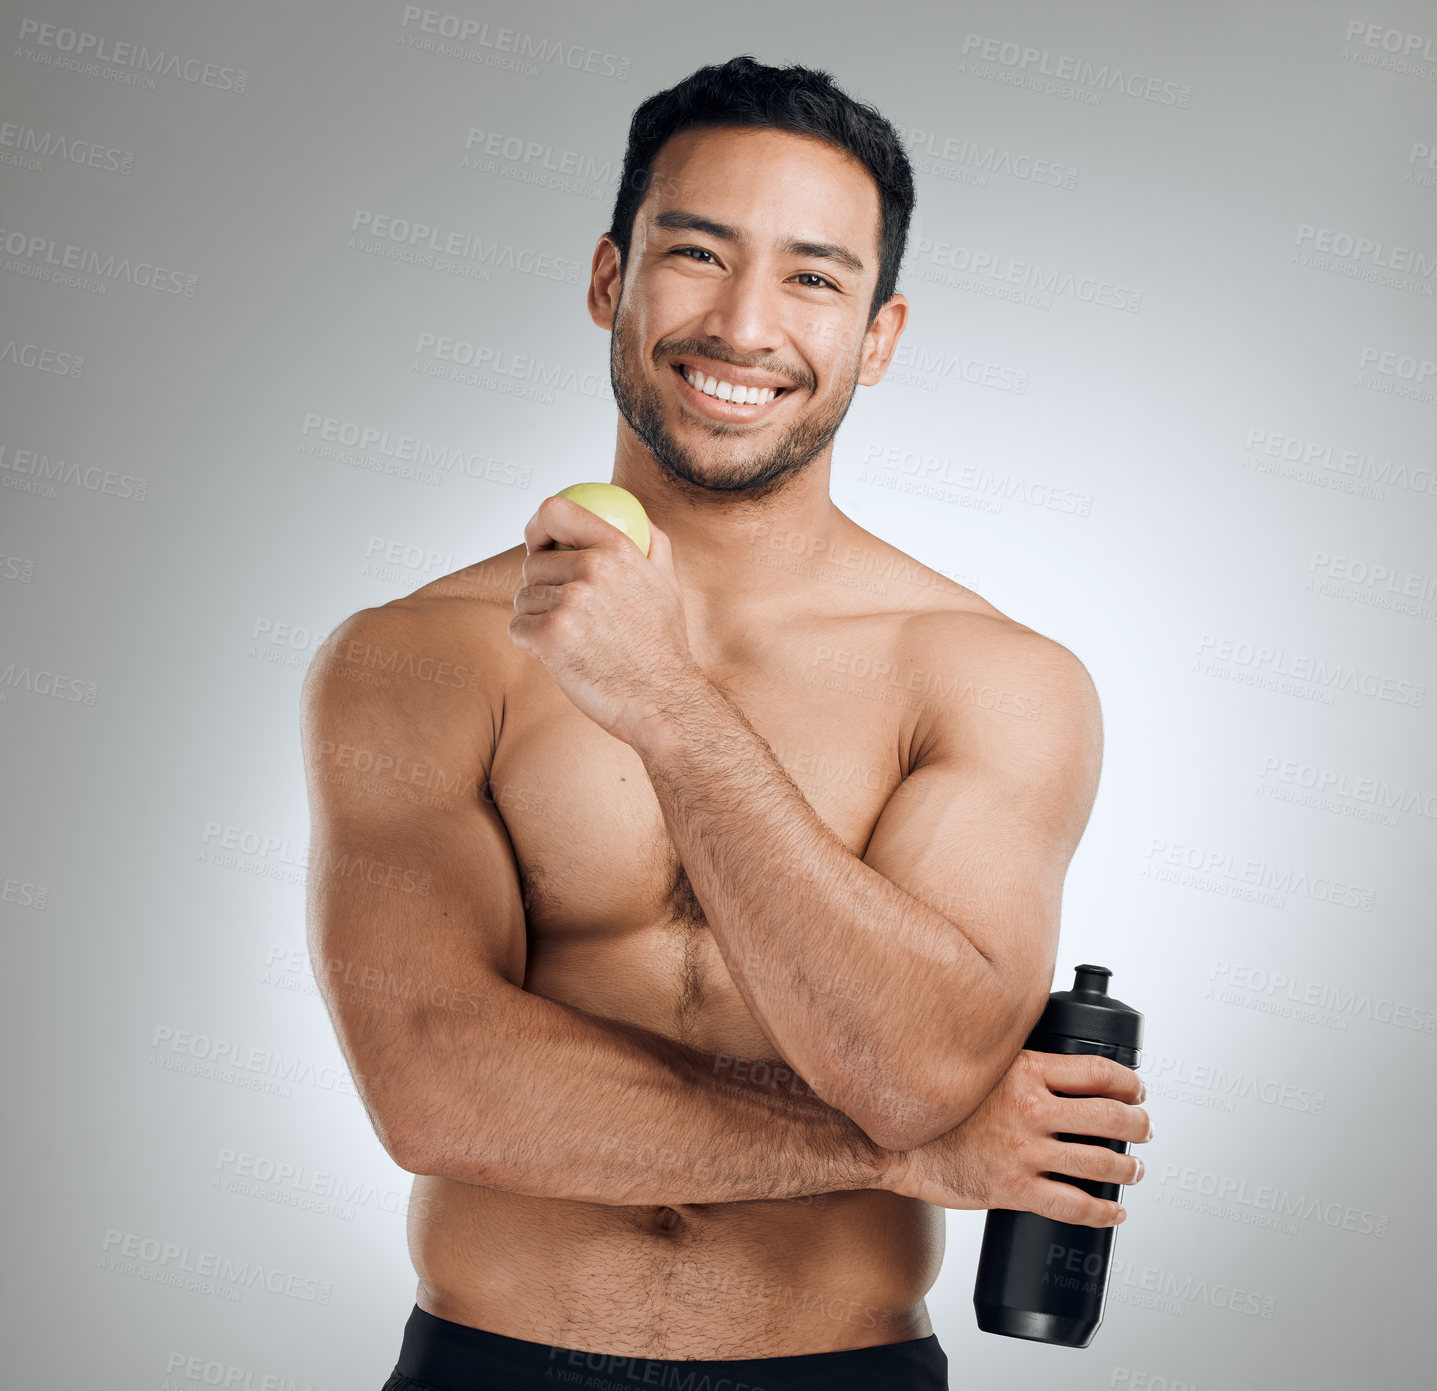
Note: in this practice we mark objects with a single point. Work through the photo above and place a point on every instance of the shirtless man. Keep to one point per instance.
(682, 917)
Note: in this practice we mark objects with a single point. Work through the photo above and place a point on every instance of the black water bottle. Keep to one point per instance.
(1047, 1280)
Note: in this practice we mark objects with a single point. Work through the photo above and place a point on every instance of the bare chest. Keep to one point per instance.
(613, 925)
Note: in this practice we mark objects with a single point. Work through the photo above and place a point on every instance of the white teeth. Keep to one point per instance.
(727, 391)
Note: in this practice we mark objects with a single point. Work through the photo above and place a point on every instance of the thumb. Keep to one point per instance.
(661, 550)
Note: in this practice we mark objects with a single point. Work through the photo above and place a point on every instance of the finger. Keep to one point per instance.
(520, 632)
(1086, 1074)
(539, 634)
(1064, 1203)
(1102, 1117)
(1095, 1162)
(541, 598)
(537, 536)
(561, 519)
(552, 523)
(661, 551)
(552, 566)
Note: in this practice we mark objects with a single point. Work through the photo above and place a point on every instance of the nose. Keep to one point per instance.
(746, 312)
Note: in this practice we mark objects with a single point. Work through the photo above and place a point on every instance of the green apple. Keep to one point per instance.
(616, 505)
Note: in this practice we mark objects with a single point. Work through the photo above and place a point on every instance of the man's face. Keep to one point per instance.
(764, 294)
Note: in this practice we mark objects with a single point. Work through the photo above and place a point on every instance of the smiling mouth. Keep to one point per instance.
(726, 398)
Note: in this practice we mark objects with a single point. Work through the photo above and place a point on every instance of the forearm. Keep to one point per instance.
(853, 978)
(538, 1098)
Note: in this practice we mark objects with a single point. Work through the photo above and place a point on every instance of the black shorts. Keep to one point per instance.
(437, 1355)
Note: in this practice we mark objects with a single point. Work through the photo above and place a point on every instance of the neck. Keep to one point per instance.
(725, 543)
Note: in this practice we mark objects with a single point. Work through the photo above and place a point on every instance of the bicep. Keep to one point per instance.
(414, 898)
(983, 828)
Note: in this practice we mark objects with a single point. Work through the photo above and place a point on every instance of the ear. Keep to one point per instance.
(605, 282)
(881, 341)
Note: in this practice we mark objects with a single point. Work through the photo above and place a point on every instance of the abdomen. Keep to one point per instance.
(766, 1278)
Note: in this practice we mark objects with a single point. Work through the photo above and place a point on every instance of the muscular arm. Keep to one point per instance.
(949, 919)
(416, 931)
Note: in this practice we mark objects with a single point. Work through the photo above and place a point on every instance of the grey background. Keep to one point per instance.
(1242, 470)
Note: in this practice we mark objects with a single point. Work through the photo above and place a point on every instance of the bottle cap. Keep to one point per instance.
(1087, 1011)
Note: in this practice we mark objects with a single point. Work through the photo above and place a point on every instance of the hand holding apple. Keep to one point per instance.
(602, 609)
(616, 505)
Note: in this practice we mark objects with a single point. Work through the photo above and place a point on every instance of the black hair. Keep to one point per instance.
(806, 101)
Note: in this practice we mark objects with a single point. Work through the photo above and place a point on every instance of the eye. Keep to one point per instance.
(696, 251)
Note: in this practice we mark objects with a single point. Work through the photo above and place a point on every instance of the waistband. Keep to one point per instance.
(455, 1357)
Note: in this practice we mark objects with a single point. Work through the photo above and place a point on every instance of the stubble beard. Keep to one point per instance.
(751, 480)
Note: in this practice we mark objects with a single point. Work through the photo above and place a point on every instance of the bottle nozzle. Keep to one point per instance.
(1093, 979)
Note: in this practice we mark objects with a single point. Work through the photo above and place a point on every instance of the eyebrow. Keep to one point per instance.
(816, 250)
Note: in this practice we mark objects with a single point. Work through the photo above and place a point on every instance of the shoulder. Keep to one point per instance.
(976, 672)
(990, 645)
(435, 648)
(991, 682)
(457, 613)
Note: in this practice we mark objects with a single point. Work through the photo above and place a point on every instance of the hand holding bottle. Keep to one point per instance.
(1003, 1154)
